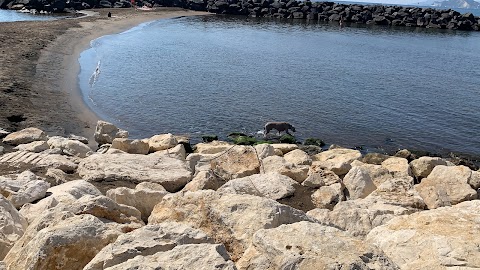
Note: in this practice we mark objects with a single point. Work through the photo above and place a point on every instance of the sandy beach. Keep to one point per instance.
(38, 78)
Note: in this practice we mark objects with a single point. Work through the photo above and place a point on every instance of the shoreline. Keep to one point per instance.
(43, 89)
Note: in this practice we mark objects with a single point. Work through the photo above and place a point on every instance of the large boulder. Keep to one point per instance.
(146, 241)
(239, 161)
(204, 180)
(76, 148)
(298, 157)
(284, 147)
(214, 147)
(423, 166)
(358, 183)
(24, 136)
(264, 150)
(30, 160)
(446, 185)
(397, 166)
(171, 173)
(318, 177)
(398, 191)
(443, 238)
(105, 132)
(199, 162)
(271, 185)
(144, 197)
(278, 164)
(337, 160)
(35, 147)
(306, 245)
(162, 142)
(328, 196)
(25, 189)
(130, 146)
(230, 219)
(70, 242)
(178, 152)
(377, 173)
(12, 226)
(201, 256)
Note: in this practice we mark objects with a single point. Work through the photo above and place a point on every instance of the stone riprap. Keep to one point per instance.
(225, 206)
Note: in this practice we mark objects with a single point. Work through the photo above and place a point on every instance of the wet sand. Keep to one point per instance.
(39, 68)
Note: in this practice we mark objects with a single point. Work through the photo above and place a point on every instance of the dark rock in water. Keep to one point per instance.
(209, 138)
(16, 118)
(105, 4)
(244, 140)
(310, 149)
(287, 139)
(236, 134)
(314, 141)
(374, 158)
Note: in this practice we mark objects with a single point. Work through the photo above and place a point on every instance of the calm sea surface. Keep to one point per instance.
(377, 87)
(15, 16)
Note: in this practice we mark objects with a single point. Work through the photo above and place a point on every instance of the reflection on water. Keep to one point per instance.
(380, 87)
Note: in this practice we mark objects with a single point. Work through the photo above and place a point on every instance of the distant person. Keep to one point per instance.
(341, 22)
(109, 15)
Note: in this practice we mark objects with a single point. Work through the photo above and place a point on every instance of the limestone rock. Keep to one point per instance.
(31, 211)
(56, 142)
(374, 158)
(24, 136)
(130, 146)
(239, 161)
(144, 197)
(398, 191)
(443, 238)
(12, 226)
(199, 162)
(68, 244)
(56, 176)
(270, 185)
(57, 162)
(35, 147)
(474, 180)
(30, 191)
(398, 166)
(328, 196)
(3, 133)
(177, 152)
(201, 256)
(377, 173)
(204, 180)
(337, 160)
(78, 138)
(446, 185)
(284, 147)
(278, 164)
(105, 133)
(423, 166)
(231, 219)
(306, 245)
(146, 241)
(171, 173)
(298, 157)
(264, 150)
(76, 148)
(359, 217)
(162, 142)
(318, 177)
(214, 147)
(358, 183)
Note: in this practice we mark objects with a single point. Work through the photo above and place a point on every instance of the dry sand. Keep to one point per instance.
(39, 68)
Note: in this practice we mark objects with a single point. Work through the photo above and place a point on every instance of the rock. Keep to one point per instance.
(31, 211)
(230, 219)
(423, 166)
(130, 146)
(29, 160)
(105, 133)
(445, 186)
(264, 150)
(58, 162)
(28, 192)
(177, 152)
(78, 138)
(171, 173)
(3, 133)
(35, 147)
(298, 157)
(144, 197)
(377, 173)
(56, 142)
(270, 185)
(67, 244)
(284, 147)
(162, 142)
(306, 245)
(328, 196)
(199, 162)
(358, 183)
(76, 148)
(474, 180)
(202, 256)
(214, 147)
(148, 240)
(12, 226)
(374, 158)
(280, 165)
(56, 176)
(239, 161)
(359, 217)
(398, 191)
(25, 136)
(337, 160)
(404, 153)
(442, 238)
(318, 177)
(397, 166)
(204, 180)
(111, 151)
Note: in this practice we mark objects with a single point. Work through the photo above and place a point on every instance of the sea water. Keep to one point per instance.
(381, 88)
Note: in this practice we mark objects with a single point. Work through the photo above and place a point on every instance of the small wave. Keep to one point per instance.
(95, 74)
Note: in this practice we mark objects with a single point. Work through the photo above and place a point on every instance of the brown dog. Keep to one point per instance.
(278, 126)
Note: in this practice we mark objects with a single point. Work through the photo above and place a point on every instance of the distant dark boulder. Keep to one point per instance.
(104, 4)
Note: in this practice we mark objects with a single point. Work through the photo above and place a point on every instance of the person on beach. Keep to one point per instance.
(341, 22)
(109, 15)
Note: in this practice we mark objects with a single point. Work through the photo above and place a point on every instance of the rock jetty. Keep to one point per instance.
(151, 204)
(289, 9)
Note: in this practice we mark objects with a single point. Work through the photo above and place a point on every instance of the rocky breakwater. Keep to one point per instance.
(150, 204)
